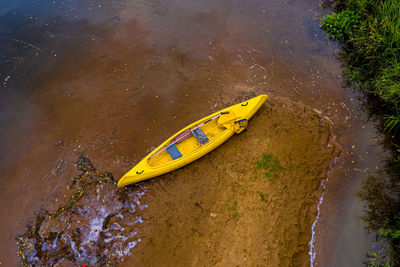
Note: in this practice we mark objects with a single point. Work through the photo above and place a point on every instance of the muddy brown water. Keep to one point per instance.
(114, 79)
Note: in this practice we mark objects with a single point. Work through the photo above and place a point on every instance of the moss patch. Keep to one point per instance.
(270, 166)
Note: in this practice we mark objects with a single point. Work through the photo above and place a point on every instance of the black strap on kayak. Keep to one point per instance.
(239, 121)
(213, 118)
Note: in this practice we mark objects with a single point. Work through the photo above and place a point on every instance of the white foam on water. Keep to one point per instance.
(99, 219)
(96, 226)
(311, 243)
(311, 252)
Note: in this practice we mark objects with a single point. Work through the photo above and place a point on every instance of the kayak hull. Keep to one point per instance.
(159, 162)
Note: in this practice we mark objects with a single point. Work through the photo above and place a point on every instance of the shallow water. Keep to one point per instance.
(96, 76)
(97, 226)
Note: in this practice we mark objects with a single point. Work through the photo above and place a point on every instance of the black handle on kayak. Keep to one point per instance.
(208, 121)
(243, 105)
(239, 121)
(140, 172)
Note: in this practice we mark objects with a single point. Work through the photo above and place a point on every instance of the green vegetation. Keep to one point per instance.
(392, 122)
(234, 207)
(341, 25)
(380, 194)
(374, 260)
(270, 164)
(390, 234)
(370, 33)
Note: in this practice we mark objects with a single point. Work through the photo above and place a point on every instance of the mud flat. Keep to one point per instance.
(221, 210)
(251, 201)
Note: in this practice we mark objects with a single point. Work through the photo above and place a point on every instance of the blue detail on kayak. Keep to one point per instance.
(208, 121)
(174, 152)
(239, 121)
(200, 136)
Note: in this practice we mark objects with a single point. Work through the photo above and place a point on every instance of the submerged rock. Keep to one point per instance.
(97, 226)
(84, 164)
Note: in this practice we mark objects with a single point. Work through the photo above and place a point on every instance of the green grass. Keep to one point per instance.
(370, 30)
(370, 33)
(392, 122)
(374, 260)
(270, 166)
(395, 235)
(235, 209)
(341, 25)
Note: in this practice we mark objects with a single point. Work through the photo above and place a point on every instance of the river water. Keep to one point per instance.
(114, 78)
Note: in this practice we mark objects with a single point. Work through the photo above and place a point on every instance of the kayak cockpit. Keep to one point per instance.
(192, 140)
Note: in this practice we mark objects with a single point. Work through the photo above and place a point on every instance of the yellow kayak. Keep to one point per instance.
(194, 141)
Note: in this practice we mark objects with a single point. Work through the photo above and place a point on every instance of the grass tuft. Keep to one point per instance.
(270, 164)
(235, 209)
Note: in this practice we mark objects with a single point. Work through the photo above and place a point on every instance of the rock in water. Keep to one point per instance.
(84, 164)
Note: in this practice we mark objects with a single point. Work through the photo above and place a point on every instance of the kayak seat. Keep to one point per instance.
(174, 151)
(200, 136)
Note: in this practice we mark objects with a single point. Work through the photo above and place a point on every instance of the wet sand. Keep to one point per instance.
(195, 224)
(219, 210)
(115, 79)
